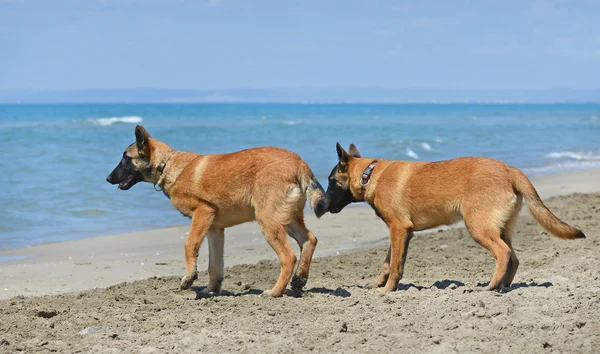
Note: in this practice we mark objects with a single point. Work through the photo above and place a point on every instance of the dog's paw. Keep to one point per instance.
(209, 292)
(270, 293)
(213, 289)
(188, 280)
(298, 283)
(373, 285)
(387, 289)
(499, 289)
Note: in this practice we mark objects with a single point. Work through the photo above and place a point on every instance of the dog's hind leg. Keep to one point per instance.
(216, 243)
(201, 220)
(276, 235)
(400, 236)
(384, 275)
(307, 242)
(487, 234)
(486, 215)
(506, 235)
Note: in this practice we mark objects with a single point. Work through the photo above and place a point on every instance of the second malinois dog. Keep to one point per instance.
(414, 196)
(269, 185)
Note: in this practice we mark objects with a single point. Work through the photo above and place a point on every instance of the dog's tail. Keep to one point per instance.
(314, 191)
(540, 212)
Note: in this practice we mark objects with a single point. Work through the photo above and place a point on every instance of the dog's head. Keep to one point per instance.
(136, 165)
(339, 192)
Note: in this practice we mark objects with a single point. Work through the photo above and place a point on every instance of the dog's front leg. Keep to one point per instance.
(201, 220)
(400, 235)
(384, 275)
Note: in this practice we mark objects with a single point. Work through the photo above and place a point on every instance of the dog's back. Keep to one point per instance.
(438, 193)
(241, 183)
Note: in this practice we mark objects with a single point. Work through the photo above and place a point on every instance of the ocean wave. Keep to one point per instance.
(572, 155)
(106, 121)
(561, 167)
(291, 122)
(426, 146)
(411, 154)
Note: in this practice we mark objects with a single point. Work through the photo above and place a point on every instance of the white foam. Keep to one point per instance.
(562, 167)
(426, 146)
(411, 154)
(106, 121)
(572, 155)
(290, 122)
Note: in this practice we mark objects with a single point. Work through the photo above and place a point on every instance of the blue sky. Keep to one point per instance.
(220, 44)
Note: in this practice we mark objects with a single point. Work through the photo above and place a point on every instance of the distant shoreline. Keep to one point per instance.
(313, 95)
(310, 102)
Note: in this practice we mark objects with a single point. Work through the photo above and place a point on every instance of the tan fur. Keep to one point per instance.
(268, 184)
(413, 196)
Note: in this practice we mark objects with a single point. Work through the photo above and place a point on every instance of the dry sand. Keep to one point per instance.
(553, 305)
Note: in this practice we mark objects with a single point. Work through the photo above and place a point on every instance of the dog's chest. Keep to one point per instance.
(185, 206)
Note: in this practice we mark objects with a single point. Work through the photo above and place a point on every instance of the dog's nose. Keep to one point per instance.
(108, 179)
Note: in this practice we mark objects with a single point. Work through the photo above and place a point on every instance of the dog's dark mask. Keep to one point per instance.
(134, 163)
(338, 191)
(125, 174)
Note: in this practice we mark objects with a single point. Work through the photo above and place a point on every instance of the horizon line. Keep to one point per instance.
(349, 95)
(430, 102)
(304, 88)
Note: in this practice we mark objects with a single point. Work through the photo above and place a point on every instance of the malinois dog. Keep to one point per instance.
(268, 184)
(414, 196)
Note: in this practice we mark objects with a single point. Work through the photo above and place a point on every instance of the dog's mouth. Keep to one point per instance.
(334, 209)
(334, 204)
(127, 181)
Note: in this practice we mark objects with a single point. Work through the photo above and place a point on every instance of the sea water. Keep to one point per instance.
(55, 158)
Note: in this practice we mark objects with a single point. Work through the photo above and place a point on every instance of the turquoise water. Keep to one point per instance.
(56, 157)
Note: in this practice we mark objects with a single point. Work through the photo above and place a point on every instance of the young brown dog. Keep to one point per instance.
(269, 185)
(414, 196)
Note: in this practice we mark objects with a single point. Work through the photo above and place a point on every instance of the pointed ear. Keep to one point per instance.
(141, 138)
(343, 156)
(353, 151)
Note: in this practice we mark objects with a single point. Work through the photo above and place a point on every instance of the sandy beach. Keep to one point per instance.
(62, 296)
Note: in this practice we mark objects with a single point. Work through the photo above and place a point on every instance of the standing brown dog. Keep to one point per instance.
(269, 185)
(414, 196)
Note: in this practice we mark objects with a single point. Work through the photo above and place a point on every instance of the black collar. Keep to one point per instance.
(161, 167)
(366, 176)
